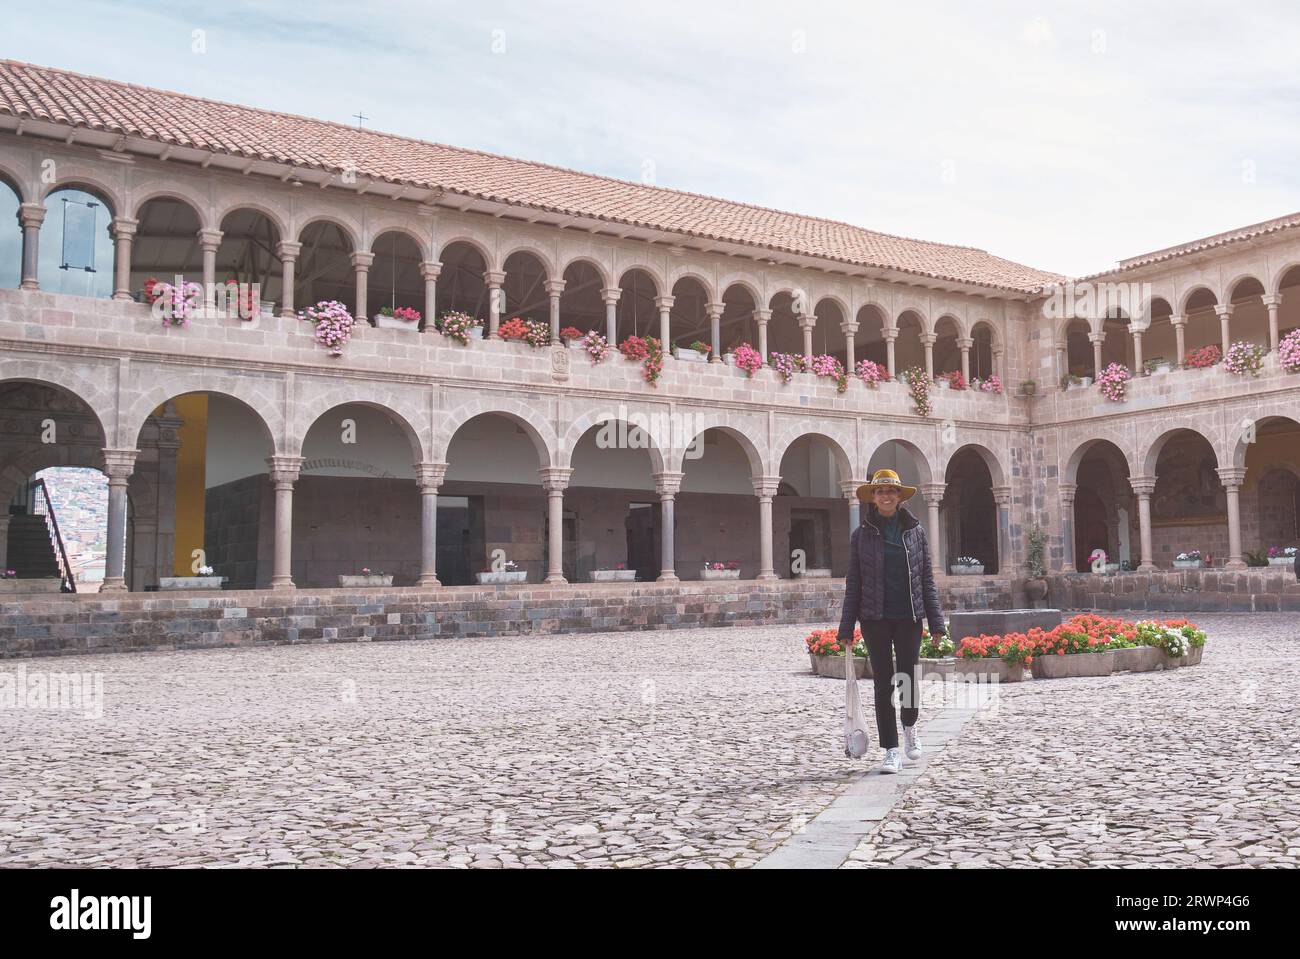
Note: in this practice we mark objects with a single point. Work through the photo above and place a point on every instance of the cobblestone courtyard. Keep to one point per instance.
(685, 748)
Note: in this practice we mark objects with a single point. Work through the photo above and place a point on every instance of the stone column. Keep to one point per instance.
(761, 318)
(1062, 362)
(428, 476)
(284, 473)
(964, 343)
(806, 323)
(1137, 353)
(1067, 491)
(849, 488)
(667, 485)
(610, 297)
(361, 263)
(1002, 497)
(997, 363)
(430, 270)
(928, 340)
(665, 307)
(765, 488)
(288, 252)
(1225, 315)
(1143, 487)
(890, 334)
(1274, 302)
(714, 311)
(118, 466)
(553, 289)
(850, 330)
(209, 243)
(933, 493)
(555, 480)
(1096, 339)
(31, 215)
(494, 279)
(1179, 323)
(1232, 478)
(123, 234)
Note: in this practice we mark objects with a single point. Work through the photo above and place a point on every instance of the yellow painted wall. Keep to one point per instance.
(191, 478)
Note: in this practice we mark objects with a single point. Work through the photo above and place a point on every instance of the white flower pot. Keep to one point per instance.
(966, 570)
(393, 323)
(817, 573)
(510, 576)
(944, 385)
(476, 332)
(1281, 561)
(690, 356)
(372, 579)
(719, 574)
(1188, 563)
(190, 582)
(613, 575)
(1085, 381)
(1164, 368)
(267, 307)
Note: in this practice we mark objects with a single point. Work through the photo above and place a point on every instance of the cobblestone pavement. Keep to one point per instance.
(692, 748)
(1194, 767)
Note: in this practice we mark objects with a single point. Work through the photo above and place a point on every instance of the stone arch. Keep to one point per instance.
(1070, 468)
(1186, 298)
(477, 245)
(90, 183)
(735, 280)
(420, 244)
(837, 440)
(58, 376)
(351, 232)
(283, 230)
(536, 427)
(1149, 451)
(533, 250)
(923, 317)
(653, 427)
(1247, 426)
(264, 406)
(1243, 278)
(20, 186)
(1275, 281)
(403, 411)
(924, 466)
(997, 472)
(176, 194)
(600, 269)
(838, 301)
(686, 273)
(738, 430)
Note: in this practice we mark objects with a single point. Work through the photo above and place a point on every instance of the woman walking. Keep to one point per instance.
(890, 585)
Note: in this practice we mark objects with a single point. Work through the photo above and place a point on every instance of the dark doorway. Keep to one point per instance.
(1091, 531)
(459, 539)
(810, 533)
(643, 540)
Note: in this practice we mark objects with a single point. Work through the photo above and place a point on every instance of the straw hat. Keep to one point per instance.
(884, 478)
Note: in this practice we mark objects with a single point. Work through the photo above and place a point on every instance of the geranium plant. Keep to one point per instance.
(787, 364)
(1288, 352)
(1113, 381)
(748, 359)
(871, 372)
(513, 329)
(919, 384)
(990, 384)
(570, 333)
(955, 379)
(595, 346)
(1243, 358)
(333, 324)
(456, 326)
(404, 313)
(1203, 358)
(173, 304)
(823, 364)
(825, 642)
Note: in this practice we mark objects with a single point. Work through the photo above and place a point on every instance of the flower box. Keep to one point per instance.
(1281, 561)
(613, 575)
(505, 576)
(1139, 659)
(816, 573)
(987, 669)
(267, 307)
(1193, 658)
(190, 582)
(966, 570)
(1054, 666)
(938, 668)
(1188, 563)
(371, 579)
(1163, 368)
(689, 355)
(476, 332)
(832, 667)
(1110, 567)
(393, 323)
(719, 574)
(944, 384)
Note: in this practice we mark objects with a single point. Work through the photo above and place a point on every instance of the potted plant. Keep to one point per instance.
(826, 654)
(1113, 380)
(333, 324)
(571, 336)
(727, 570)
(508, 573)
(1203, 358)
(1244, 358)
(1036, 546)
(1281, 555)
(993, 658)
(1191, 559)
(1288, 352)
(1157, 364)
(748, 359)
(618, 573)
(966, 566)
(937, 660)
(366, 578)
(1078, 647)
(204, 578)
(1028, 387)
(697, 352)
(871, 372)
(399, 318)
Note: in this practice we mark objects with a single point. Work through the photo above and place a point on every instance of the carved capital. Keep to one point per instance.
(119, 464)
(611, 295)
(665, 302)
(765, 487)
(555, 479)
(667, 483)
(1271, 300)
(1002, 495)
(1231, 476)
(284, 470)
(430, 269)
(288, 251)
(210, 240)
(31, 214)
(849, 488)
(554, 287)
(1223, 311)
(1142, 486)
(965, 342)
(762, 316)
(494, 279)
(124, 226)
(932, 492)
(715, 310)
(428, 476)
(1067, 491)
(361, 261)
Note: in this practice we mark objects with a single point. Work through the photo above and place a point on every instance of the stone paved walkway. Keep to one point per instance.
(697, 748)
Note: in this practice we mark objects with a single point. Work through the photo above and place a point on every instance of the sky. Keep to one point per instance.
(1064, 136)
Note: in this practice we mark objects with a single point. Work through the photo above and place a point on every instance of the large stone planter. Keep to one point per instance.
(966, 570)
(510, 576)
(938, 668)
(987, 670)
(476, 332)
(719, 574)
(818, 573)
(190, 582)
(1193, 658)
(1139, 659)
(613, 575)
(1281, 561)
(832, 667)
(1188, 563)
(1053, 666)
(690, 356)
(374, 579)
(393, 323)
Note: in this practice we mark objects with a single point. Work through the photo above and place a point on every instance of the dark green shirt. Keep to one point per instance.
(898, 585)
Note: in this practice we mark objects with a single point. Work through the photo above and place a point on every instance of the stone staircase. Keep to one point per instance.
(31, 555)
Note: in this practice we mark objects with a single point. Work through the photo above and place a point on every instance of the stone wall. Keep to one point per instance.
(62, 625)
(231, 518)
(1256, 590)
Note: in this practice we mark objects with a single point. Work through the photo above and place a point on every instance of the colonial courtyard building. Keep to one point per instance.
(239, 440)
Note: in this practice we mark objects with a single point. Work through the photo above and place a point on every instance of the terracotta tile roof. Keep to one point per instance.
(1210, 242)
(59, 96)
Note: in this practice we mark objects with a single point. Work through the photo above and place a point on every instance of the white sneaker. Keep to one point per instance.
(911, 745)
(893, 761)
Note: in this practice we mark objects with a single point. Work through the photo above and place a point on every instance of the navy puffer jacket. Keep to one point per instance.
(864, 589)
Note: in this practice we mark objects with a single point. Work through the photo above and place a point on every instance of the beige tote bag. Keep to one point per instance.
(856, 740)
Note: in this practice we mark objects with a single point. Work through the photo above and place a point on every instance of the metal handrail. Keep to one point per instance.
(68, 581)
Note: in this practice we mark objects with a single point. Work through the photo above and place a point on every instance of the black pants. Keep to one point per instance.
(885, 639)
